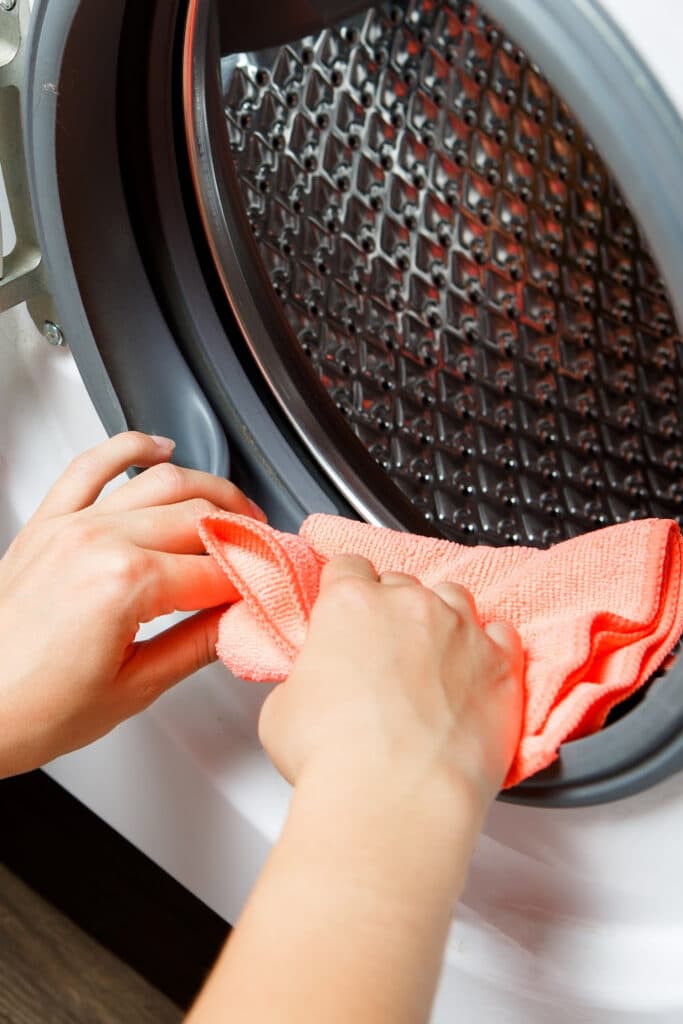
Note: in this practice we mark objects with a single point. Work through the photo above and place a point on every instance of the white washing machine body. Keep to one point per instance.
(568, 915)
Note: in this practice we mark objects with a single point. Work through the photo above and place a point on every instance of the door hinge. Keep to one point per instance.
(22, 270)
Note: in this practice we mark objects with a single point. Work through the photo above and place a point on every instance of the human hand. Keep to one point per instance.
(397, 678)
(397, 725)
(81, 577)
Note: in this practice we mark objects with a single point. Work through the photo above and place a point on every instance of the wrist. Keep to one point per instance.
(403, 835)
(417, 776)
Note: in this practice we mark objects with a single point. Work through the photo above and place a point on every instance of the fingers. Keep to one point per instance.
(159, 663)
(344, 567)
(510, 691)
(398, 579)
(85, 477)
(170, 528)
(459, 599)
(182, 583)
(507, 637)
(169, 484)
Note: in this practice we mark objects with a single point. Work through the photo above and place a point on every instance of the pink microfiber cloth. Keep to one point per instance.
(597, 614)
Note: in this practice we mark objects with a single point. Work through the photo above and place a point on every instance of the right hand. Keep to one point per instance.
(398, 679)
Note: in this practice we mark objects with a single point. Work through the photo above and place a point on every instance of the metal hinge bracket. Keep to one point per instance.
(22, 271)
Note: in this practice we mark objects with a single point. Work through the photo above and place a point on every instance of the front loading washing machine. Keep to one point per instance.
(421, 264)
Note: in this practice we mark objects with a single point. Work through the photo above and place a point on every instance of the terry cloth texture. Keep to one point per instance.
(597, 614)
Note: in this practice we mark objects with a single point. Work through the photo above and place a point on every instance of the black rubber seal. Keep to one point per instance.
(126, 342)
(129, 361)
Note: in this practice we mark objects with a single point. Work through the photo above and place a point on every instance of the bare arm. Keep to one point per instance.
(349, 919)
(396, 727)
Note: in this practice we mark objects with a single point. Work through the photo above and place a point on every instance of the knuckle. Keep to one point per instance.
(497, 664)
(424, 606)
(133, 441)
(169, 477)
(134, 437)
(200, 507)
(334, 566)
(460, 596)
(353, 593)
(231, 492)
(202, 653)
(130, 442)
(85, 463)
(344, 598)
(124, 567)
(81, 533)
(507, 667)
(460, 601)
(343, 569)
(400, 578)
(144, 694)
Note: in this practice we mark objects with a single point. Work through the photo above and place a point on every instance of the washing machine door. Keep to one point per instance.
(420, 265)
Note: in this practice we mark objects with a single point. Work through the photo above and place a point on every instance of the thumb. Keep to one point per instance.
(157, 664)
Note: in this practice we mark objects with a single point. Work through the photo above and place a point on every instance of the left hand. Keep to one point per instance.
(80, 578)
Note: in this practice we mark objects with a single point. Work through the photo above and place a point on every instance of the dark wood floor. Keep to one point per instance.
(91, 931)
(52, 971)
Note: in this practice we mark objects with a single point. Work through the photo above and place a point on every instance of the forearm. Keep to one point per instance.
(349, 918)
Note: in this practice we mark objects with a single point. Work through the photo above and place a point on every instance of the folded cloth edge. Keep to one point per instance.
(669, 614)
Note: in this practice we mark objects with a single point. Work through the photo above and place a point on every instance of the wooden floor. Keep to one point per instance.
(91, 930)
(51, 972)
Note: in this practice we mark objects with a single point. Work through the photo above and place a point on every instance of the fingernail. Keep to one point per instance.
(163, 442)
(257, 512)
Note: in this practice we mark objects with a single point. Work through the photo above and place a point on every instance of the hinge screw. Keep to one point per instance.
(52, 332)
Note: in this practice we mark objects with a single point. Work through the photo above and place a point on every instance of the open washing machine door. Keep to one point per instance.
(397, 268)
